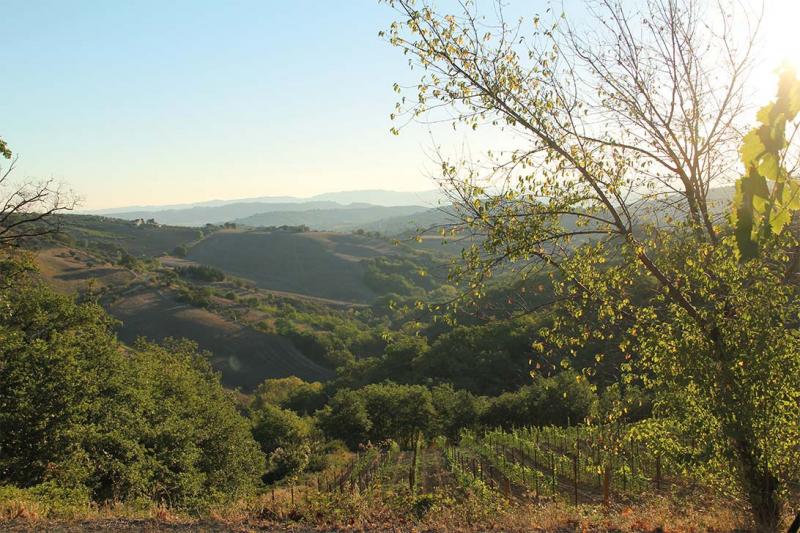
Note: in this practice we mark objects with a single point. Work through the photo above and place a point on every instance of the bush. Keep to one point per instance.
(77, 411)
(201, 273)
(290, 393)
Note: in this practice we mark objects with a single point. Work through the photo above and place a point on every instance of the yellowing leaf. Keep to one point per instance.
(791, 194)
(769, 167)
(751, 149)
(780, 217)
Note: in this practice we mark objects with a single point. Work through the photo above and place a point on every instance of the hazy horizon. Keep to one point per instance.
(147, 104)
(152, 103)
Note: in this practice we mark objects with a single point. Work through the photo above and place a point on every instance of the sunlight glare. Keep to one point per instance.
(780, 27)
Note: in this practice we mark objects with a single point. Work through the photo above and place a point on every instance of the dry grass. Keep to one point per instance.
(245, 356)
(363, 512)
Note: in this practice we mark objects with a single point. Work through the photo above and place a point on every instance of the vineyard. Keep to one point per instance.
(584, 464)
(572, 465)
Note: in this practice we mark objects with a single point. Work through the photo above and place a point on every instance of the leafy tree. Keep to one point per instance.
(290, 393)
(346, 418)
(204, 448)
(398, 412)
(485, 359)
(284, 438)
(455, 410)
(567, 398)
(623, 134)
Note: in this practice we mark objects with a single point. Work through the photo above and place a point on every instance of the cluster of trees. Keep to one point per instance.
(201, 273)
(302, 228)
(401, 412)
(332, 338)
(399, 276)
(80, 410)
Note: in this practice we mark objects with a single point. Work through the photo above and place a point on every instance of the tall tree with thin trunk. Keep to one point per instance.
(618, 139)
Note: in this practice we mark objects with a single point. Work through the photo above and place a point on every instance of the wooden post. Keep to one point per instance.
(412, 475)
(575, 476)
(508, 488)
(292, 492)
(606, 486)
(658, 472)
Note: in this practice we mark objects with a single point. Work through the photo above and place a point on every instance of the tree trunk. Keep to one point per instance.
(765, 504)
(762, 490)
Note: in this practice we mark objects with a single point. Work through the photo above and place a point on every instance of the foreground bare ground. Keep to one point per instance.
(157, 526)
(133, 525)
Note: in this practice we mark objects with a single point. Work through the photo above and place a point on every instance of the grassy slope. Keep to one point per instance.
(319, 264)
(69, 270)
(244, 356)
(140, 241)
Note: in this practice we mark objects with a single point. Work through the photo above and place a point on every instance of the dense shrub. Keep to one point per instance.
(201, 273)
(79, 411)
(346, 418)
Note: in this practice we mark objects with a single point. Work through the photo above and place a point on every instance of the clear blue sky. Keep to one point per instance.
(135, 102)
(153, 102)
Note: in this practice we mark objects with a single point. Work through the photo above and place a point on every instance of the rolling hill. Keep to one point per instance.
(321, 264)
(268, 275)
(244, 356)
(104, 233)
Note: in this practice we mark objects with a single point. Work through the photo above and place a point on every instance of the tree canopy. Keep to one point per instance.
(617, 143)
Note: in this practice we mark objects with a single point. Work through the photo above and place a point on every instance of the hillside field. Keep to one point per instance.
(244, 356)
(321, 264)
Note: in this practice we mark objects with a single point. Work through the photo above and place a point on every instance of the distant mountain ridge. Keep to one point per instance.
(338, 211)
(348, 218)
(202, 215)
(381, 197)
